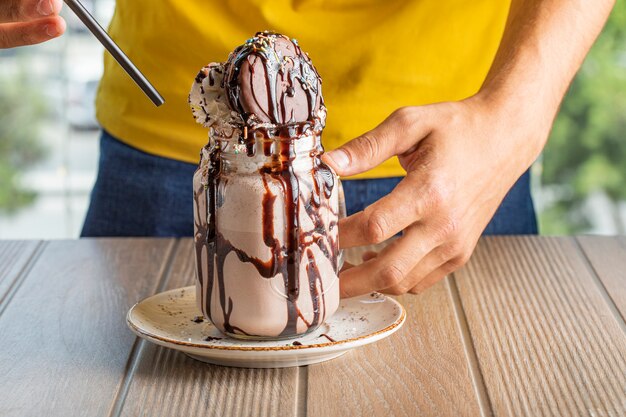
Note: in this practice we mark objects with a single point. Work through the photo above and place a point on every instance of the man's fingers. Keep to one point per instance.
(405, 205)
(30, 33)
(370, 254)
(455, 257)
(26, 10)
(432, 278)
(28, 22)
(346, 266)
(395, 135)
(444, 260)
(436, 260)
(389, 268)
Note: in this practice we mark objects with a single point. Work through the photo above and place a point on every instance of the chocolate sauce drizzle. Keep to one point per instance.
(205, 235)
(285, 259)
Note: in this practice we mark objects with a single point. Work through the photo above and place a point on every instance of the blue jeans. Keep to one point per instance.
(515, 216)
(138, 194)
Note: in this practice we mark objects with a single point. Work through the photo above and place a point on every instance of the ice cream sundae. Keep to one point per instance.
(265, 204)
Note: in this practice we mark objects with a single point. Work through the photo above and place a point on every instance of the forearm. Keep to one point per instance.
(544, 44)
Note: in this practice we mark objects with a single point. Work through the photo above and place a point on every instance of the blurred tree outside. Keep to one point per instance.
(586, 155)
(21, 109)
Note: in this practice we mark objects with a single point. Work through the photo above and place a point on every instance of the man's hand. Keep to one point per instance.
(28, 22)
(461, 159)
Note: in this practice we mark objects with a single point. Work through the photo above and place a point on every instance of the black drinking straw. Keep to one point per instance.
(115, 51)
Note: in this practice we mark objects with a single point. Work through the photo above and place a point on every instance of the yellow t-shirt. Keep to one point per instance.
(373, 55)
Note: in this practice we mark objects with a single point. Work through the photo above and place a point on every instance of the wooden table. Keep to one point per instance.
(531, 326)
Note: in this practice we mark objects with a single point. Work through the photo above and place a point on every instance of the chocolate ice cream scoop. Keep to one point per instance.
(270, 80)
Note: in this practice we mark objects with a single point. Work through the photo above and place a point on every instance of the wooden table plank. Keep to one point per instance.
(168, 383)
(424, 369)
(64, 344)
(607, 256)
(547, 342)
(14, 255)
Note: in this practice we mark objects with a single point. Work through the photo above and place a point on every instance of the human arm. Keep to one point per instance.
(28, 22)
(462, 157)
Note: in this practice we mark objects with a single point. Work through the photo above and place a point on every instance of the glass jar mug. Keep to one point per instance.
(267, 254)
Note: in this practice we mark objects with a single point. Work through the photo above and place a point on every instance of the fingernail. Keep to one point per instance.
(51, 30)
(340, 158)
(45, 8)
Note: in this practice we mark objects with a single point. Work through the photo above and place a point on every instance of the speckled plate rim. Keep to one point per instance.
(325, 347)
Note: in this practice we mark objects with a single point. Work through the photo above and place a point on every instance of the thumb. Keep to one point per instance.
(398, 133)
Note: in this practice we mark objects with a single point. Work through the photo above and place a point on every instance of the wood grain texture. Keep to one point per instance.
(14, 255)
(546, 341)
(607, 256)
(421, 370)
(168, 383)
(64, 344)
(546, 324)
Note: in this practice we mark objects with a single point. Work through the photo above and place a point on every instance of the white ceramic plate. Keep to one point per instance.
(171, 319)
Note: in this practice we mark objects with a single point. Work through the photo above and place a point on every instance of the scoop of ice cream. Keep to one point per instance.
(208, 100)
(269, 79)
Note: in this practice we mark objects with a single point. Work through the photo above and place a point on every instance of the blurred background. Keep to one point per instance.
(49, 137)
(48, 131)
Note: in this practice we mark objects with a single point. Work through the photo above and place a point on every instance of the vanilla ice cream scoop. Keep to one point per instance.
(208, 100)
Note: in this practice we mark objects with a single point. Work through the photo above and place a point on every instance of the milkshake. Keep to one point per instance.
(265, 204)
